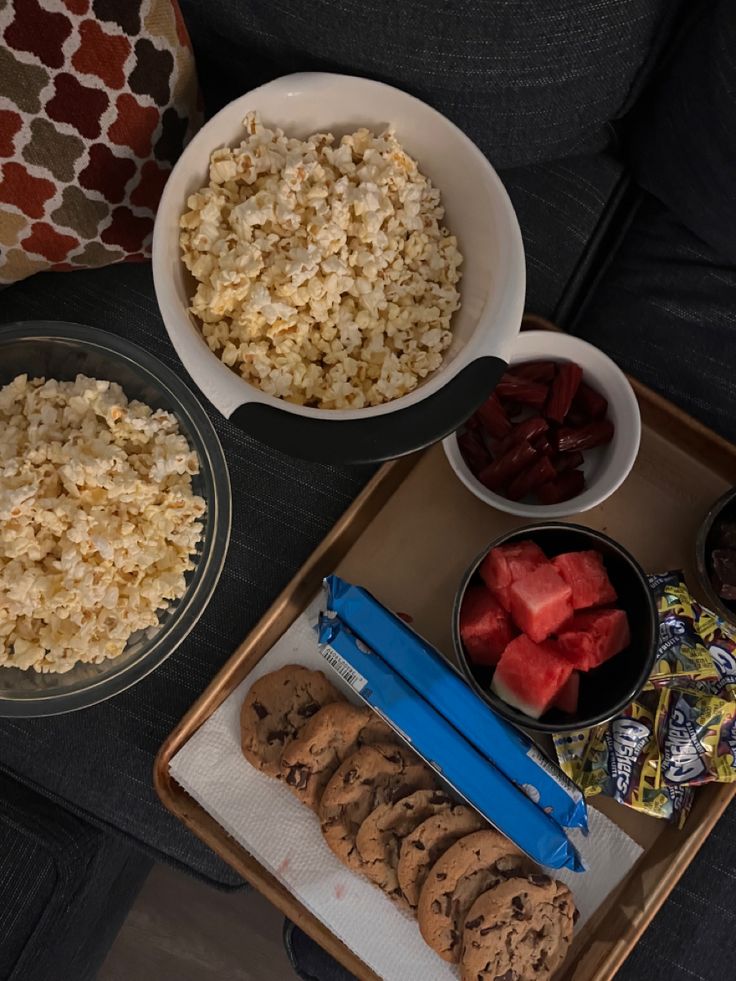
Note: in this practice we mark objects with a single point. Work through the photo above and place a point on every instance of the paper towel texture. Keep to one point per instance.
(284, 836)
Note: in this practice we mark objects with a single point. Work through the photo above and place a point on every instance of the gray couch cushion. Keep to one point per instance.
(559, 205)
(666, 311)
(683, 143)
(65, 886)
(526, 79)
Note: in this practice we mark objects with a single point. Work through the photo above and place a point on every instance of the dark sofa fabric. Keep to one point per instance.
(682, 143)
(528, 80)
(560, 206)
(665, 310)
(65, 888)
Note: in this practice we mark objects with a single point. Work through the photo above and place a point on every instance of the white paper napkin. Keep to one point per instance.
(284, 836)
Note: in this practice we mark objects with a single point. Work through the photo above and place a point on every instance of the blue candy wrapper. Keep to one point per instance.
(424, 668)
(445, 749)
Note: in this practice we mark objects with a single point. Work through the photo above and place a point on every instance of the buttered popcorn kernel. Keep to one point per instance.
(98, 520)
(324, 273)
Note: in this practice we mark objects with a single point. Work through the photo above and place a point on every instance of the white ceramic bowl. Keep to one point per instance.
(478, 212)
(605, 467)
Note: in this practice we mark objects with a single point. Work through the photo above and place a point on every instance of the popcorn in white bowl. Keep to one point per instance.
(324, 273)
(98, 520)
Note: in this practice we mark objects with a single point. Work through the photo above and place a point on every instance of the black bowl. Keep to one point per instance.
(723, 510)
(607, 690)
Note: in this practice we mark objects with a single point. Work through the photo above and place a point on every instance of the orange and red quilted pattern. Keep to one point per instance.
(97, 100)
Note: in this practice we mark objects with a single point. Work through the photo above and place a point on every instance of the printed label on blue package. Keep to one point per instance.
(439, 743)
(425, 669)
(346, 672)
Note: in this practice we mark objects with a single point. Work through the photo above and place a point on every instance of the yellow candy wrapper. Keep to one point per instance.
(694, 739)
(681, 653)
(619, 759)
(720, 639)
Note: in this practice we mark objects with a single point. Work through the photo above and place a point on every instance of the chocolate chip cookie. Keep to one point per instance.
(472, 866)
(380, 836)
(521, 930)
(276, 708)
(373, 775)
(330, 736)
(421, 849)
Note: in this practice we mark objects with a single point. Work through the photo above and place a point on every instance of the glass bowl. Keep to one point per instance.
(63, 350)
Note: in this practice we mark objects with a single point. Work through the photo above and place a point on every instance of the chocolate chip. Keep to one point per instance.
(350, 776)
(540, 880)
(439, 798)
(518, 903)
(260, 710)
(506, 976)
(277, 736)
(399, 792)
(436, 907)
(307, 711)
(474, 924)
(441, 876)
(421, 847)
(298, 776)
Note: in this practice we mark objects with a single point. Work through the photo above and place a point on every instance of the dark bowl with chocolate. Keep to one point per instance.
(715, 553)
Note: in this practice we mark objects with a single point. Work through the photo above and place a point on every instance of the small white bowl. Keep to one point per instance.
(605, 467)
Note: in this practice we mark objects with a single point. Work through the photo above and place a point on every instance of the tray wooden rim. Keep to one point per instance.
(697, 440)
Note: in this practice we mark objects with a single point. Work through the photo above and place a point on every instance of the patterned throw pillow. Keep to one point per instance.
(97, 99)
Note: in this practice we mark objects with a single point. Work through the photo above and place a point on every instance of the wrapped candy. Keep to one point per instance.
(680, 731)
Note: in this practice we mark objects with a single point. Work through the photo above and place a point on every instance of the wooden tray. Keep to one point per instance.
(408, 537)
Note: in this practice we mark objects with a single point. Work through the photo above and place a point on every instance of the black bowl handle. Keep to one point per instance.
(375, 438)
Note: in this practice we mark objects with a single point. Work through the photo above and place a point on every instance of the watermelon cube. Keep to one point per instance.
(540, 602)
(507, 563)
(592, 637)
(530, 676)
(586, 575)
(567, 698)
(485, 627)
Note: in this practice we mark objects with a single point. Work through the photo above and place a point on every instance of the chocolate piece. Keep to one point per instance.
(724, 568)
(726, 534)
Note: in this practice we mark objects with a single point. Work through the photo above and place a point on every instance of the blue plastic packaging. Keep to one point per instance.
(444, 748)
(424, 668)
